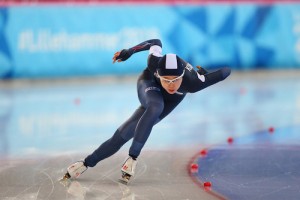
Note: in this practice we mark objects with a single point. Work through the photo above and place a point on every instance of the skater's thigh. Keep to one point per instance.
(149, 92)
(126, 130)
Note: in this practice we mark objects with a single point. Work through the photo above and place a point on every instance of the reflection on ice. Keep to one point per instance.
(79, 192)
(74, 188)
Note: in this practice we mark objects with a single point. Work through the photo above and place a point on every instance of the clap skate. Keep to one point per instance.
(128, 170)
(75, 170)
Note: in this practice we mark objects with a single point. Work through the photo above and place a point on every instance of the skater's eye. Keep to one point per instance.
(169, 81)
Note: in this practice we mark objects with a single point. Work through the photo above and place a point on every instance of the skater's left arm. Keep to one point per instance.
(124, 54)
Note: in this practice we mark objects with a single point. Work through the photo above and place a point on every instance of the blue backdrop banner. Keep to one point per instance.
(66, 40)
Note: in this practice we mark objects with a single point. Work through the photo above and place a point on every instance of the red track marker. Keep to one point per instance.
(230, 140)
(203, 152)
(271, 130)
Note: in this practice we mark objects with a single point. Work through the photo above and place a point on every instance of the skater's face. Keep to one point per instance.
(171, 83)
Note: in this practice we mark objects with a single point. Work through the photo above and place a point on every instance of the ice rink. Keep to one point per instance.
(45, 125)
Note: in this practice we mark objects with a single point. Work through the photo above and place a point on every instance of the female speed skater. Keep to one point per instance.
(161, 87)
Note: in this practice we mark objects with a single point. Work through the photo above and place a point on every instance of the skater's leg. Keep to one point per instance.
(105, 150)
(112, 145)
(156, 109)
(151, 99)
(128, 168)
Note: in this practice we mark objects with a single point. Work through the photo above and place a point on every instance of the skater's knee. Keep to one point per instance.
(155, 108)
(118, 140)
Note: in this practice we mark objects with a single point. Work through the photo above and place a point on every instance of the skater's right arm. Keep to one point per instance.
(126, 53)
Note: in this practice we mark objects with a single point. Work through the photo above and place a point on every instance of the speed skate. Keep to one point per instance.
(128, 170)
(74, 170)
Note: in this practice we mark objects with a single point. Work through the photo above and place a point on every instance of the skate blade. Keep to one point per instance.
(125, 178)
(124, 181)
(67, 176)
(65, 182)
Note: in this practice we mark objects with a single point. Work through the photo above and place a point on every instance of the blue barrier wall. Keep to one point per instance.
(66, 40)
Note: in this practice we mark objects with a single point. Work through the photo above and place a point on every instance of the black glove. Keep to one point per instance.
(201, 70)
(125, 54)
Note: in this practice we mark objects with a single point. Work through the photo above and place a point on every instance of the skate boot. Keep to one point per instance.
(128, 169)
(75, 170)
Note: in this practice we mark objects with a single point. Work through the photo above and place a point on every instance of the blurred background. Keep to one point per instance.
(63, 38)
(61, 96)
(58, 81)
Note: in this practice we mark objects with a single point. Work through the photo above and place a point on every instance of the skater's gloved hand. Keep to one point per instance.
(122, 55)
(201, 70)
